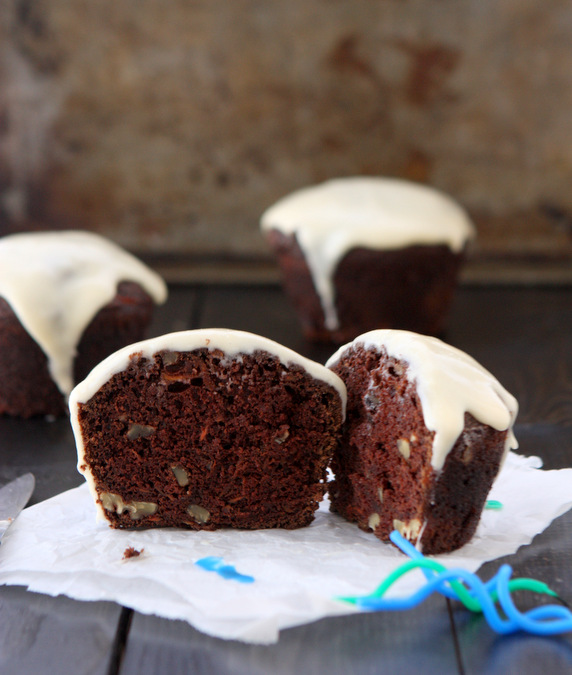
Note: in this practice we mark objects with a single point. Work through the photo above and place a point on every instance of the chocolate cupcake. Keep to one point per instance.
(358, 254)
(207, 429)
(67, 300)
(426, 432)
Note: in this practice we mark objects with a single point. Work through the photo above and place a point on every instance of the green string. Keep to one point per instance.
(523, 584)
(493, 505)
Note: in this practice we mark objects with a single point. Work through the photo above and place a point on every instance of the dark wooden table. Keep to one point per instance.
(523, 335)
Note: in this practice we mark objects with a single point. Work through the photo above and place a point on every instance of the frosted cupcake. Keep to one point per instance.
(426, 432)
(362, 253)
(67, 300)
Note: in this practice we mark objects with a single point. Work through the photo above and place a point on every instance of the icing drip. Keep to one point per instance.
(56, 282)
(449, 383)
(334, 217)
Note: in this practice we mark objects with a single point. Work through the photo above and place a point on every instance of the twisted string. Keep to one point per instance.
(492, 598)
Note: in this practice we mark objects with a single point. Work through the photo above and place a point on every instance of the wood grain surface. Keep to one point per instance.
(524, 336)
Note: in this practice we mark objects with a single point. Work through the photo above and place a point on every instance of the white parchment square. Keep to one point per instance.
(57, 547)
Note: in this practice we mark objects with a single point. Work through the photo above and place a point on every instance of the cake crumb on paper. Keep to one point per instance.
(131, 552)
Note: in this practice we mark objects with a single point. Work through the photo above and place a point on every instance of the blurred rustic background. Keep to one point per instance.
(171, 125)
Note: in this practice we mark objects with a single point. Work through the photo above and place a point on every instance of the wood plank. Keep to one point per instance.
(44, 447)
(40, 634)
(523, 336)
(259, 309)
(178, 311)
(417, 641)
(483, 651)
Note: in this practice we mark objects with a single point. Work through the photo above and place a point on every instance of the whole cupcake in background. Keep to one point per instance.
(67, 300)
(362, 253)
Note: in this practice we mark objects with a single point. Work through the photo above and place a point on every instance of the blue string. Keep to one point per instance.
(410, 550)
(544, 620)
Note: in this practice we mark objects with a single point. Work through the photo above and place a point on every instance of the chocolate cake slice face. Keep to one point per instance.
(206, 430)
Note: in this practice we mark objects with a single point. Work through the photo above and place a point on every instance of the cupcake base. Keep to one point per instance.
(409, 288)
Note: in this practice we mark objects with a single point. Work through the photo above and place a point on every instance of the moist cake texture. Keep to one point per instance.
(207, 429)
(426, 432)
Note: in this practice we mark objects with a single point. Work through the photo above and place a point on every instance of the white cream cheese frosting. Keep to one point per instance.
(56, 282)
(232, 343)
(449, 383)
(334, 217)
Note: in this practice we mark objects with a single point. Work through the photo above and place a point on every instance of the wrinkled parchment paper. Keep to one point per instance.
(57, 547)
